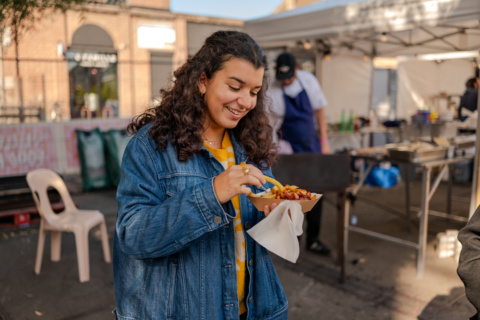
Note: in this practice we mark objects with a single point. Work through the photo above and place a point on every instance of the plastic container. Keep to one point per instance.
(115, 143)
(91, 151)
(383, 176)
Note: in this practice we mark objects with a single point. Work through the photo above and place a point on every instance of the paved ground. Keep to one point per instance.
(381, 276)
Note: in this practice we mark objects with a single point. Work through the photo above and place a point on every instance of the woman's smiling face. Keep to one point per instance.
(230, 94)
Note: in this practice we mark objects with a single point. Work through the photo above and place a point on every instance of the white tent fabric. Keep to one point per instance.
(419, 81)
(409, 26)
(346, 83)
(352, 29)
(349, 28)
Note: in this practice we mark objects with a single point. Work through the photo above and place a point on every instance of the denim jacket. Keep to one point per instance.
(174, 252)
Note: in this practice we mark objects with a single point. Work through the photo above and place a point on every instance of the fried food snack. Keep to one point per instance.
(277, 184)
(289, 193)
(286, 192)
(280, 193)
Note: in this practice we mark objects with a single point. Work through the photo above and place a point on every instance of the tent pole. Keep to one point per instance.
(475, 198)
(370, 96)
(319, 68)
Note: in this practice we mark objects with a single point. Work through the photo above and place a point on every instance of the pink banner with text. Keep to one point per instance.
(27, 147)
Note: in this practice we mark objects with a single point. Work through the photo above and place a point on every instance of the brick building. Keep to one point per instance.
(110, 59)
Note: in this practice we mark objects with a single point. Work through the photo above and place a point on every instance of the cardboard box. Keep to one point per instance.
(260, 203)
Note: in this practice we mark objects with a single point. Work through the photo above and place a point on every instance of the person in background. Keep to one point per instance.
(181, 250)
(469, 261)
(469, 99)
(298, 116)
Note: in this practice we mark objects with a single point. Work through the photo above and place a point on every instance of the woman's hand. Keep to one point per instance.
(268, 209)
(233, 181)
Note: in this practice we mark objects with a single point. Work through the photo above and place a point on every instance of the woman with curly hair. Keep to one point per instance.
(181, 250)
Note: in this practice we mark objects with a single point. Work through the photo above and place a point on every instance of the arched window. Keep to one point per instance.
(92, 66)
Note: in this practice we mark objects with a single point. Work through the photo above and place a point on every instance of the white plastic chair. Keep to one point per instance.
(70, 220)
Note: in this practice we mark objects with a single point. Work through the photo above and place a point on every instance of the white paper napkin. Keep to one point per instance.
(278, 232)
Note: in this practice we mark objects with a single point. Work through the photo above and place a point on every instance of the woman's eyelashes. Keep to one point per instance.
(252, 93)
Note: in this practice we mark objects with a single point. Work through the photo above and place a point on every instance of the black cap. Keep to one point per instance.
(286, 65)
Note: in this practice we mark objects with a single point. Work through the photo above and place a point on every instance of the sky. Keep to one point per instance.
(238, 9)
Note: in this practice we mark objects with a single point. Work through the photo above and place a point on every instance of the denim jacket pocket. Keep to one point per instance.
(181, 181)
(117, 316)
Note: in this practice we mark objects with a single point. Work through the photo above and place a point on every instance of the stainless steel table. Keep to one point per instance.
(428, 189)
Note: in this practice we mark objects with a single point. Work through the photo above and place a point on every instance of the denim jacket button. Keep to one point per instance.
(250, 299)
(247, 225)
(217, 219)
(250, 262)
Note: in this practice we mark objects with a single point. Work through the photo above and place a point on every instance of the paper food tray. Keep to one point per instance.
(307, 205)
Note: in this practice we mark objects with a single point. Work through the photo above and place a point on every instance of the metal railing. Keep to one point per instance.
(9, 114)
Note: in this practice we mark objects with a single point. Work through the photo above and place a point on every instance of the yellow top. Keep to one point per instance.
(227, 158)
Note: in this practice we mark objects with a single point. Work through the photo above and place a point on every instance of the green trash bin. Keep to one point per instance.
(91, 151)
(115, 143)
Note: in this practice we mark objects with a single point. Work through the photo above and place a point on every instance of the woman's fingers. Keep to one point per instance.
(267, 209)
(251, 181)
(250, 170)
(253, 176)
(245, 190)
(234, 181)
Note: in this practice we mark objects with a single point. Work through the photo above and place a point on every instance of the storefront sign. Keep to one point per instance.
(159, 36)
(92, 59)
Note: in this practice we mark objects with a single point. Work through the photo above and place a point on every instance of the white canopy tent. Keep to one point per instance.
(353, 32)
(408, 26)
(357, 29)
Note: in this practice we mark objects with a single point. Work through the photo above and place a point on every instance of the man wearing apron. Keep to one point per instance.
(297, 105)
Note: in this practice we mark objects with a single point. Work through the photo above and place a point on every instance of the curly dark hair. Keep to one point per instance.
(471, 83)
(181, 113)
